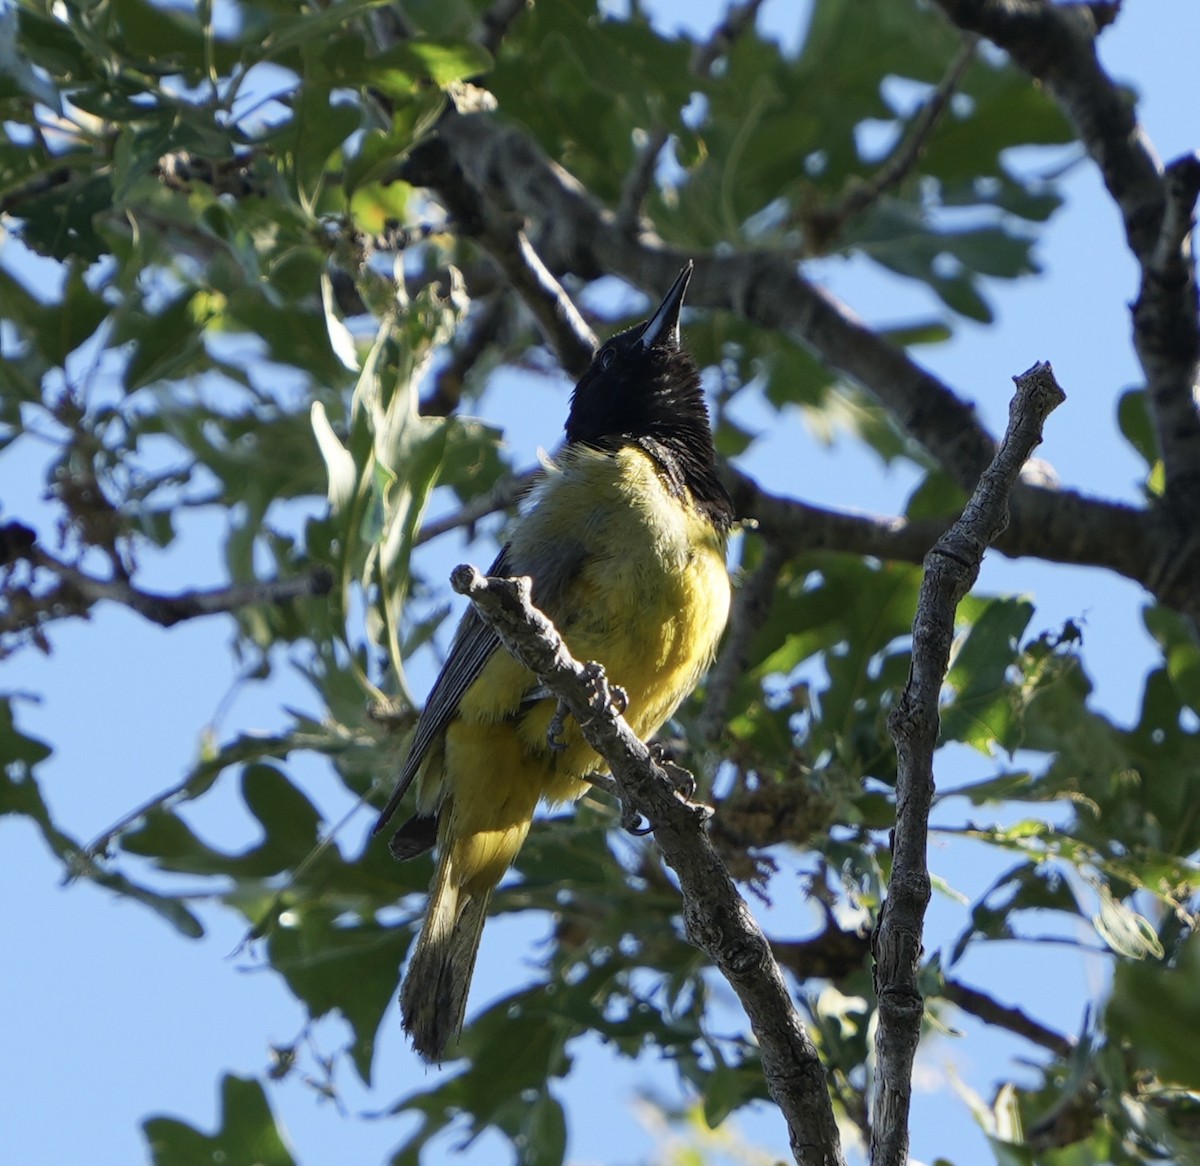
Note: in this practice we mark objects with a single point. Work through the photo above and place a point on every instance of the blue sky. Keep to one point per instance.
(111, 1016)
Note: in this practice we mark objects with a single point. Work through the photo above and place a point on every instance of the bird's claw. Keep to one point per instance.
(603, 693)
(681, 779)
(633, 822)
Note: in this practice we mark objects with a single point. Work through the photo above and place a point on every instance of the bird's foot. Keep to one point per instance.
(680, 778)
(603, 693)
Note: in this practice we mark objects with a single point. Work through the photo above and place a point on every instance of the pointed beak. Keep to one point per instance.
(663, 327)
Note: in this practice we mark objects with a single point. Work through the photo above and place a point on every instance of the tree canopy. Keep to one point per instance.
(265, 262)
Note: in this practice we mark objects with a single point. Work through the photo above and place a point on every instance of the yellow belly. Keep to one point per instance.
(648, 599)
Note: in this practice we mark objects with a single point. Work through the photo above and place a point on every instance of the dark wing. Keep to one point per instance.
(559, 563)
(474, 642)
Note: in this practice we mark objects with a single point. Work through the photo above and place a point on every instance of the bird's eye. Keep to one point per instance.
(608, 357)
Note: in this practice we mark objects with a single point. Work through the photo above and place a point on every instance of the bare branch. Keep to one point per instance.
(798, 527)
(950, 571)
(1057, 526)
(502, 235)
(716, 917)
(832, 955)
(576, 234)
(639, 180)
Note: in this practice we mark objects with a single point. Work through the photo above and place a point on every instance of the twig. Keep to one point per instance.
(502, 234)
(716, 918)
(566, 331)
(168, 610)
(640, 178)
(991, 1011)
(738, 18)
(950, 571)
(471, 344)
(825, 224)
(501, 496)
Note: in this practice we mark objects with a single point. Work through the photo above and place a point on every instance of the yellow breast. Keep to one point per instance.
(643, 590)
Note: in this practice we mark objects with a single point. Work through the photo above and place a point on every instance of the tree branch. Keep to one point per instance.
(990, 1011)
(1057, 526)
(766, 289)
(798, 527)
(951, 569)
(501, 496)
(1166, 334)
(77, 592)
(575, 234)
(1056, 44)
(716, 918)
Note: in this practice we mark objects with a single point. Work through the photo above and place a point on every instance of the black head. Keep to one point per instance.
(643, 388)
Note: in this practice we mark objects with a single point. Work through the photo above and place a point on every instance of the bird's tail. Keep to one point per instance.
(433, 998)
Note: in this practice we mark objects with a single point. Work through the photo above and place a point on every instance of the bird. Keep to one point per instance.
(624, 539)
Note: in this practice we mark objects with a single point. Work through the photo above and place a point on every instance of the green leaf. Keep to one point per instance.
(164, 36)
(332, 964)
(17, 74)
(247, 1133)
(936, 496)
(18, 751)
(729, 1087)
(61, 222)
(320, 127)
(1181, 652)
(1156, 1009)
(314, 28)
(544, 1138)
(165, 345)
(984, 713)
(1136, 424)
(57, 329)
(445, 61)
